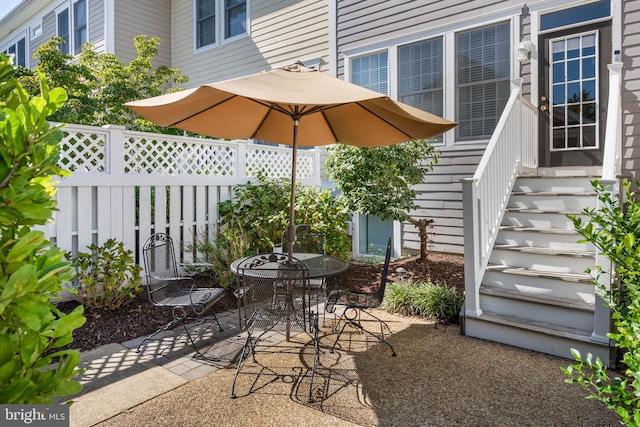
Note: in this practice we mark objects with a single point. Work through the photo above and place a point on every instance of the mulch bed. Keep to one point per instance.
(140, 318)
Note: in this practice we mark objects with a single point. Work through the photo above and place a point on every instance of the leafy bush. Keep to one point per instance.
(260, 212)
(615, 230)
(219, 250)
(436, 301)
(32, 273)
(107, 277)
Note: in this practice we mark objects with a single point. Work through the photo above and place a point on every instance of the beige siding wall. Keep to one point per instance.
(281, 32)
(96, 24)
(143, 17)
(48, 31)
(631, 89)
(440, 199)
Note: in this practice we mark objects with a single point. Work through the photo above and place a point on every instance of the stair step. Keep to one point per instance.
(538, 229)
(568, 277)
(546, 251)
(554, 193)
(536, 298)
(545, 211)
(540, 327)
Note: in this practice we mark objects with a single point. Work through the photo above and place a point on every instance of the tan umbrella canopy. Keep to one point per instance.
(293, 105)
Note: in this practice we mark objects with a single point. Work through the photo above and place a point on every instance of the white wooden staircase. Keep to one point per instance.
(535, 293)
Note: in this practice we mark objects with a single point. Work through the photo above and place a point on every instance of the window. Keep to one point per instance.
(420, 71)
(79, 25)
(235, 18)
(580, 14)
(205, 23)
(482, 79)
(63, 30)
(371, 72)
(19, 52)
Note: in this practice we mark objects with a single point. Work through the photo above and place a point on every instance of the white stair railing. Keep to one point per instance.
(485, 196)
(611, 169)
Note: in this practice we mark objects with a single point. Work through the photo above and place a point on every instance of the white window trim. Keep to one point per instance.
(223, 25)
(216, 43)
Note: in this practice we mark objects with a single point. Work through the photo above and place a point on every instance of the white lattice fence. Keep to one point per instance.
(127, 185)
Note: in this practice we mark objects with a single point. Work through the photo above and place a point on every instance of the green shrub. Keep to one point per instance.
(32, 272)
(260, 212)
(615, 230)
(436, 301)
(107, 277)
(219, 251)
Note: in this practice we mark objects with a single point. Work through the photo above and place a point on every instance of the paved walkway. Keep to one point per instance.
(117, 377)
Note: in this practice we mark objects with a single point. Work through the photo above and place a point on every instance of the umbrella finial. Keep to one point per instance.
(298, 67)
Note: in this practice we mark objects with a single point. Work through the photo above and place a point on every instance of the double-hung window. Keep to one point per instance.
(63, 30)
(420, 75)
(482, 79)
(79, 25)
(19, 52)
(73, 27)
(235, 18)
(205, 23)
(371, 72)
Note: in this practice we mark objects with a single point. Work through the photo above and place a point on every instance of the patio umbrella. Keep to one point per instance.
(293, 105)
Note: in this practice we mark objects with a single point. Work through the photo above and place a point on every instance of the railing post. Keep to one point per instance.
(115, 149)
(241, 164)
(471, 221)
(613, 130)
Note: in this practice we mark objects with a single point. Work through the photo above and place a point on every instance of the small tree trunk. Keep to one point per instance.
(422, 225)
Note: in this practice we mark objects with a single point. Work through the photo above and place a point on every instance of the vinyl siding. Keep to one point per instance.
(96, 25)
(631, 89)
(48, 31)
(281, 32)
(143, 17)
(440, 199)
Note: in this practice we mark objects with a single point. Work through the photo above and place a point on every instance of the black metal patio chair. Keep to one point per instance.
(357, 303)
(167, 288)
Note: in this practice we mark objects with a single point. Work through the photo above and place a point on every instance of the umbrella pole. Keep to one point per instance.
(291, 232)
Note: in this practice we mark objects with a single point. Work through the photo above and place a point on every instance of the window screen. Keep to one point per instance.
(205, 22)
(371, 72)
(235, 12)
(420, 80)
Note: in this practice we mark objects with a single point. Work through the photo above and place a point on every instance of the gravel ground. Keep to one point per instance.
(439, 378)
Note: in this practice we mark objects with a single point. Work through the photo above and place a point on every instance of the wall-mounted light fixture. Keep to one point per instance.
(524, 48)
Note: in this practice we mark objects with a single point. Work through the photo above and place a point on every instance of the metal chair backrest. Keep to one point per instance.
(385, 273)
(268, 285)
(307, 240)
(159, 257)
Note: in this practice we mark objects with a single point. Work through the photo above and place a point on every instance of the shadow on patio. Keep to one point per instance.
(438, 378)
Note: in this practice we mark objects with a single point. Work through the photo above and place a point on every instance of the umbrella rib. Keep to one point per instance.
(202, 111)
(384, 120)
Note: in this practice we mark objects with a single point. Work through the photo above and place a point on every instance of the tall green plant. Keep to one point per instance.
(98, 84)
(380, 181)
(615, 230)
(32, 273)
(262, 211)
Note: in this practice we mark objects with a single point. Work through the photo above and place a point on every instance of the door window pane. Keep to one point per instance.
(482, 78)
(574, 94)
